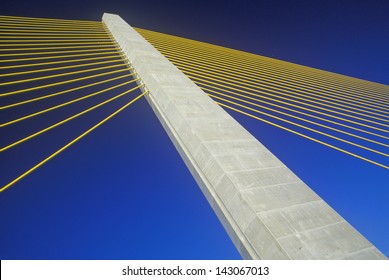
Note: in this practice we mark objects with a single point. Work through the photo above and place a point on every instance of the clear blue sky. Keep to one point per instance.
(124, 193)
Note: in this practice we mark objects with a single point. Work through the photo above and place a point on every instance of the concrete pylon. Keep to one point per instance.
(268, 212)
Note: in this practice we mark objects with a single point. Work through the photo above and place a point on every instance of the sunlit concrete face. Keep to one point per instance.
(268, 212)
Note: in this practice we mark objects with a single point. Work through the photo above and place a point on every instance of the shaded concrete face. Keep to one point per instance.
(268, 212)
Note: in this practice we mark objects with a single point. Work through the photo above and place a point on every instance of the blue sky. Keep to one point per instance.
(123, 192)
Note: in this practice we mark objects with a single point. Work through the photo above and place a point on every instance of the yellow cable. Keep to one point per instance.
(187, 54)
(72, 41)
(62, 67)
(49, 36)
(67, 119)
(51, 19)
(225, 60)
(286, 103)
(250, 56)
(266, 85)
(93, 51)
(75, 44)
(62, 82)
(91, 32)
(115, 55)
(59, 75)
(298, 118)
(207, 88)
(352, 81)
(305, 136)
(277, 94)
(71, 143)
(67, 91)
(264, 77)
(273, 63)
(51, 25)
(66, 103)
(70, 24)
(301, 126)
(282, 71)
(78, 48)
(326, 75)
(57, 40)
(52, 29)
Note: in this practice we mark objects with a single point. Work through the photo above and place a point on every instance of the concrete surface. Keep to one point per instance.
(268, 212)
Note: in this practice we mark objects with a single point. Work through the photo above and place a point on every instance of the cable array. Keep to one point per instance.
(54, 74)
(343, 113)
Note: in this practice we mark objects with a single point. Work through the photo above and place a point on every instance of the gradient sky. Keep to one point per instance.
(123, 192)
